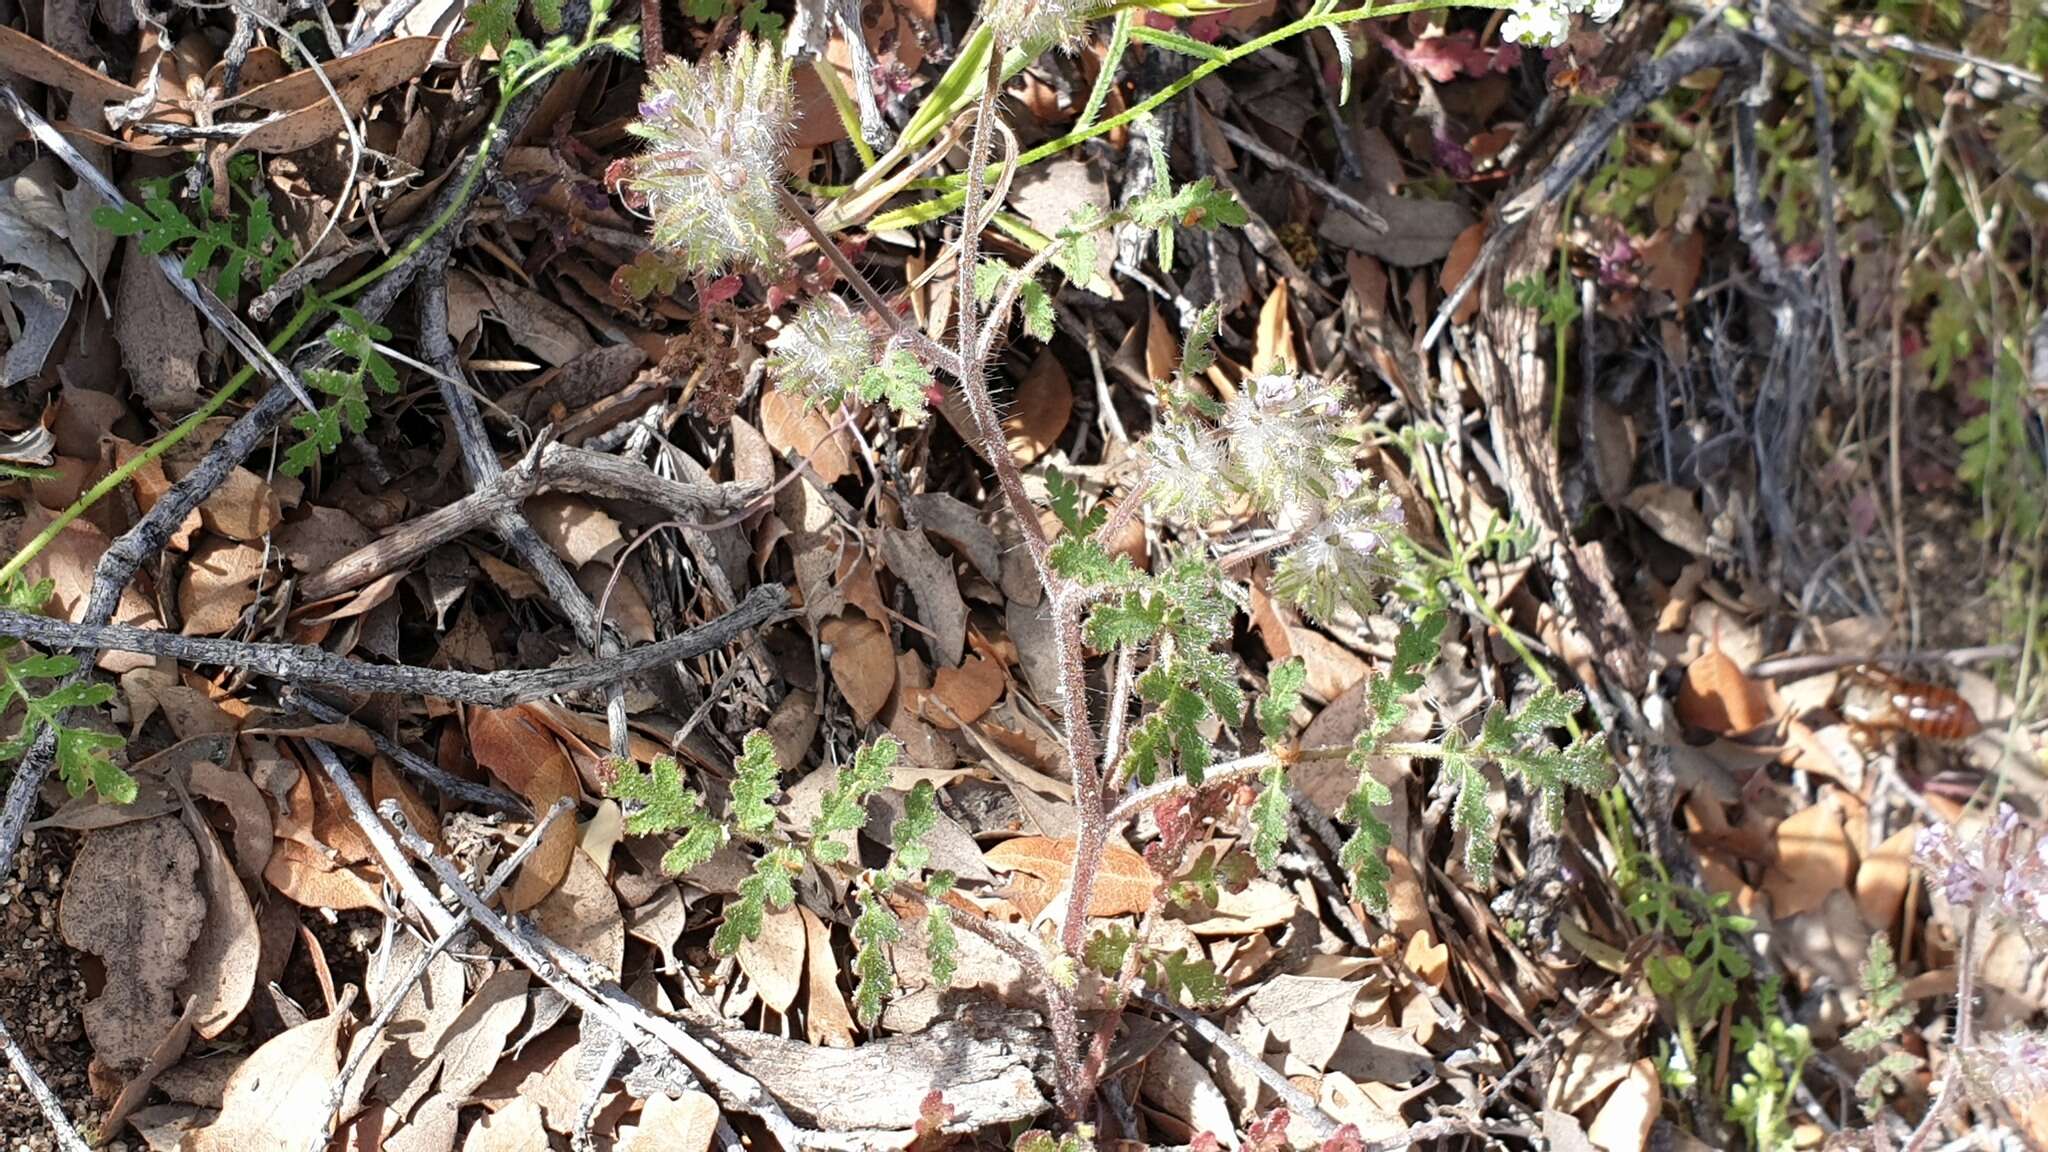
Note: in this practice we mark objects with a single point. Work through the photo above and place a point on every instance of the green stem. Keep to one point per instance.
(1207, 68)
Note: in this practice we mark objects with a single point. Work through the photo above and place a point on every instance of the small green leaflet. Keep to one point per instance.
(901, 380)
(754, 781)
(1032, 298)
(159, 224)
(1200, 351)
(1269, 817)
(1065, 497)
(767, 886)
(942, 946)
(1283, 694)
(492, 26)
(84, 756)
(1193, 981)
(907, 838)
(1364, 855)
(875, 929)
(844, 806)
(664, 805)
(355, 337)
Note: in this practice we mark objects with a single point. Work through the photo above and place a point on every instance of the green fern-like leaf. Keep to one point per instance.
(942, 945)
(1884, 1021)
(875, 929)
(767, 886)
(1192, 979)
(901, 380)
(844, 807)
(356, 339)
(84, 756)
(754, 781)
(1283, 694)
(910, 854)
(492, 26)
(662, 805)
(1364, 855)
(1269, 817)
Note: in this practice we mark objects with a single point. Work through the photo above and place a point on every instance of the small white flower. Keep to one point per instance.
(1537, 23)
(1339, 559)
(823, 351)
(1285, 446)
(716, 134)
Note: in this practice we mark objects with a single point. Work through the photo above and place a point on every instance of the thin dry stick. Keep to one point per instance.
(60, 1124)
(447, 783)
(306, 664)
(337, 1094)
(599, 998)
(1298, 1103)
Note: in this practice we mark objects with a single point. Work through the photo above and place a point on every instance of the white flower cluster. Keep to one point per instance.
(716, 134)
(1283, 444)
(1545, 23)
(821, 354)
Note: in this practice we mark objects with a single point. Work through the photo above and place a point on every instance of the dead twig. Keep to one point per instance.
(571, 975)
(447, 783)
(546, 465)
(337, 1095)
(67, 1136)
(306, 664)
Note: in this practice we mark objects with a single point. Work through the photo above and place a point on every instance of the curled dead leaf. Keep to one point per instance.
(1124, 884)
(133, 899)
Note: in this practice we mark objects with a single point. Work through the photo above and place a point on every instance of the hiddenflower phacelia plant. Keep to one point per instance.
(1283, 444)
(716, 133)
(1546, 23)
(822, 353)
(1995, 870)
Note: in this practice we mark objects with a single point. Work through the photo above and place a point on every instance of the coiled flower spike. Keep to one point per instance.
(822, 353)
(1035, 25)
(717, 134)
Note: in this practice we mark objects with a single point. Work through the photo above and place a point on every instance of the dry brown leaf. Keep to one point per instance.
(274, 1099)
(536, 323)
(32, 59)
(774, 960)
(1039, 411)
(827, 1021)
(967, 692)
(133, 899)
(1601, 1047)
(1883, 877)
(160, 337)
(475, 1040)
(1814, 858)
(220, 970)
(1307, 1015)
(1162, 351)
(303, 874)
(791, 426)
(1719, 698)
(219, 582)
(387, 65)
(929, 576)
(863, 663)
(1671, 512)
(230, 787)
(577, 529)
(518, 750)
(666, 1125)
(1273, 350)
(68, 562)
(1464, 250)
(1428, 959)
(515, 1128)
(964, 527)
(582, 913)
(1124, 883)
(1624, 1122)
(316, 123)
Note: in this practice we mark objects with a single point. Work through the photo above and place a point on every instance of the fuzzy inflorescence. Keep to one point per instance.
(1546, 23)
(1284, 447)
(1996, 871)
(717, 134)
(822, 353)
(1036, 25)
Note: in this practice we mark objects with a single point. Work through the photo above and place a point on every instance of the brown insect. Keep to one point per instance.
(1876, 700)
